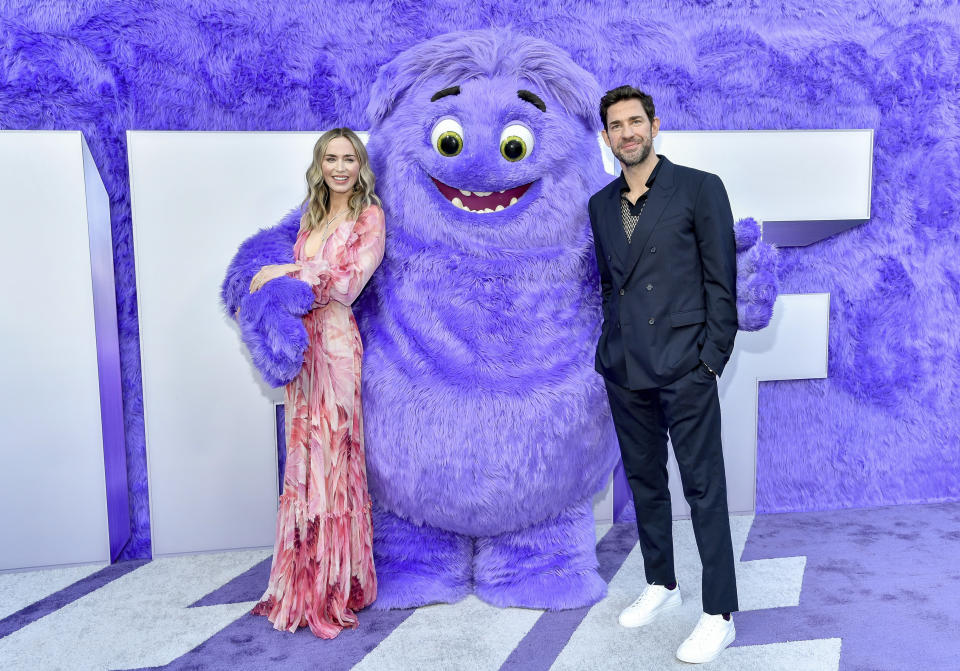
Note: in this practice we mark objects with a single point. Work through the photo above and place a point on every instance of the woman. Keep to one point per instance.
(323, 562)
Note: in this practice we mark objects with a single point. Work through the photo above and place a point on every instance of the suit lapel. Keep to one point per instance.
(659, 197)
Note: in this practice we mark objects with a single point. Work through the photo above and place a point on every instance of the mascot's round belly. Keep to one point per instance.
(481, 462)
(479, 392)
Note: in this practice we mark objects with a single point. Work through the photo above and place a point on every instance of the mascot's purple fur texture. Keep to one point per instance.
(270, 319)
(757, 286)
(487, 428)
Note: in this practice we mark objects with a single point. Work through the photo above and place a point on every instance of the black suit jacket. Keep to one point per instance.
(669, 296)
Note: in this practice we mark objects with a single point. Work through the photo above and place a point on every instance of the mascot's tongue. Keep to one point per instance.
(478, 203)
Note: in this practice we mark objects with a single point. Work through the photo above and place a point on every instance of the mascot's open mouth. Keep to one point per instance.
(481, 201)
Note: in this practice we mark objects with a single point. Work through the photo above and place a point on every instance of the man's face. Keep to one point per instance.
(629, 132)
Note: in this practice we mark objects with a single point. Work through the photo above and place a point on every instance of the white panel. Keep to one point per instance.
(52, 496)
(603, 504)
(798, 175)
(210, 434)
(792, 347)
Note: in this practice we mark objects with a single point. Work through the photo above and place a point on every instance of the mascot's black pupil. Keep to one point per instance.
(450, 144)
(513, 149)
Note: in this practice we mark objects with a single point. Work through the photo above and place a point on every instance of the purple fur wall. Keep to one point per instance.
(883, 428)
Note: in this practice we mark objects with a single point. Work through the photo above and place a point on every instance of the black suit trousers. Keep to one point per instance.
(689, 409)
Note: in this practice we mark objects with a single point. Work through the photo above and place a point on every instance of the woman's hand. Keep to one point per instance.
(268, 273)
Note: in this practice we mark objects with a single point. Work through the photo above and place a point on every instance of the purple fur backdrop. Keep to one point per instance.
(882, 429)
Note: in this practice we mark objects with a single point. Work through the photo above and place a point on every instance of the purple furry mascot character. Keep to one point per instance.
(757, 286)
(487, 429)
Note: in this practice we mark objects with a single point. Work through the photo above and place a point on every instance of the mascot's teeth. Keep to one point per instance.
(480, 202)
(459, 203)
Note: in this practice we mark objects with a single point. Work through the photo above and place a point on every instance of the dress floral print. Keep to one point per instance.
(322, 568)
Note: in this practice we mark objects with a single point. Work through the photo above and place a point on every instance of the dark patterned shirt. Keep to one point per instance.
(630, 213)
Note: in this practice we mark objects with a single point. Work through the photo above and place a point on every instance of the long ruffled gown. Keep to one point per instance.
(323, 559)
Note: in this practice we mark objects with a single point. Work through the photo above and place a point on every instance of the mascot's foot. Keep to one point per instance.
(551, 565)
(417, 565)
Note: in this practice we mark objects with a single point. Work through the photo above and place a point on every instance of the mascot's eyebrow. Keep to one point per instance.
(443, 93)
(533, 99)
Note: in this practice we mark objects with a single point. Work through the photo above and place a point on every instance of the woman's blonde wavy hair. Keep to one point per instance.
(316, 206)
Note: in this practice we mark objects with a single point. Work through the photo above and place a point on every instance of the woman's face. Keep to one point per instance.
(340, 165)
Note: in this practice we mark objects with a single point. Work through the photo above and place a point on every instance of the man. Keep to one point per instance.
(666, 254)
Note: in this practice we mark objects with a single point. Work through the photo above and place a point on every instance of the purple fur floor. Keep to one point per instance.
(886, 581)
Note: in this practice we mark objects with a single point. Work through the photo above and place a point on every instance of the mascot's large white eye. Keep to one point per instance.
(447, 137)
(516, 142)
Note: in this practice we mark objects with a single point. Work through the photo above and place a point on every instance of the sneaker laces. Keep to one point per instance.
(707, 625)
(646, 596)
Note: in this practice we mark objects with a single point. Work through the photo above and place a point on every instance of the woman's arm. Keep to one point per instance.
(343, 277)
(272, 272)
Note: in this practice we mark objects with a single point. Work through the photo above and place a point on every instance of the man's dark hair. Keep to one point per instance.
(625, 93)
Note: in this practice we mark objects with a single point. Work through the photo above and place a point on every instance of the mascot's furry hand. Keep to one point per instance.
(270, 319)
(271, 324)
(757, 287)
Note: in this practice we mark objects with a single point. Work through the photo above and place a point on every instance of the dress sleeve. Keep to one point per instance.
(341, 275)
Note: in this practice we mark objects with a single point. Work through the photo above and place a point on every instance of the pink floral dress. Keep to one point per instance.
(323, 560)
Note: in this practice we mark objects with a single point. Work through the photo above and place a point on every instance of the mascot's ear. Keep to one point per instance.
(577, 91)
(439, 56)
(404, 72)
(386, 90)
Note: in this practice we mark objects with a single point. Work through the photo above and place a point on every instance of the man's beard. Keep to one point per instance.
(641, 157)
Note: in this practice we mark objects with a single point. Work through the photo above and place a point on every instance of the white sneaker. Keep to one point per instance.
(711, 635)
(654, 600)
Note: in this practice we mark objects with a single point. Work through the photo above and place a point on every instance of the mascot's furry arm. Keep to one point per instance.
(756, 276)
(270, 319)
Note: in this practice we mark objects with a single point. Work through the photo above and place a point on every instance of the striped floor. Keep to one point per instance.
(865, 589)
